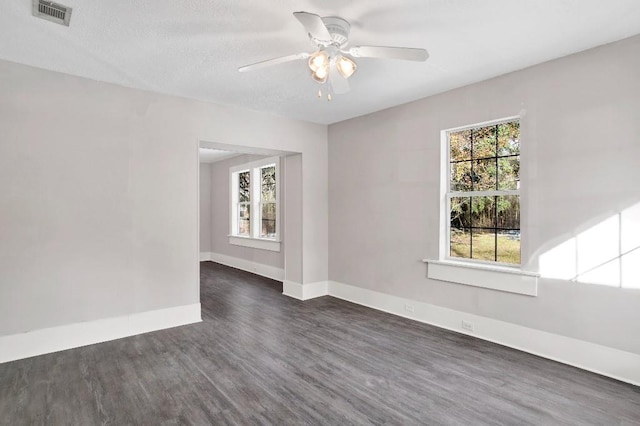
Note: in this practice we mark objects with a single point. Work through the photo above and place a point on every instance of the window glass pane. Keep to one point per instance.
(244, 219)
(460, 208)
(508, 173)
(244, 183)
(460, 243)
(483, 213)
(483, 175)
(268, 183)
(509, 247)
(484, 142)
(461, 176)
(460, 145)
(508, 212)
(268, 225)
(509, 138)
(485, 159)
(484, 244)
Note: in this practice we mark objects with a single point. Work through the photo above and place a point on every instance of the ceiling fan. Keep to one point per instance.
(332, 63)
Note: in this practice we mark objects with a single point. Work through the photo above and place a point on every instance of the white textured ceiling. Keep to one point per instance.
(192, 48)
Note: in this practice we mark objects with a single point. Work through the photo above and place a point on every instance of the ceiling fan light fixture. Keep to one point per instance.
(318, 61)
(320, 75)
(332, 63)
(346, 67)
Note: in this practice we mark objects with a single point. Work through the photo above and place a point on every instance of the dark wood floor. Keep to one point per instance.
(262, 358)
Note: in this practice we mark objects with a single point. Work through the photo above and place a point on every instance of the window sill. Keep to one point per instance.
(502, 278)
(257, 243)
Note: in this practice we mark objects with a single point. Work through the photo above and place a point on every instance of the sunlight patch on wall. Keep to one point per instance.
(607, 253)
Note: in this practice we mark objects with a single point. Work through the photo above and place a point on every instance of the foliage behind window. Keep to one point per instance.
(484, 202)
(268, 196)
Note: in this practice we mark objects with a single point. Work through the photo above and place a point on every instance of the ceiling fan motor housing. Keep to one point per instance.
(338, 28)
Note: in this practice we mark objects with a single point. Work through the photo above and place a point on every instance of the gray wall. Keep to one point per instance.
(580, 164)
(205, 207)
(98, 202)
(293, 212)
(219, 199)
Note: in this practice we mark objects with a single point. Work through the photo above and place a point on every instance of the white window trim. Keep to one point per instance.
(257, 243)
(254, 240)
(493, 275)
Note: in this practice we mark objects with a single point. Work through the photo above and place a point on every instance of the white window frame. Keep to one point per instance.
(475, 272)
(254, 240)
(449, 194)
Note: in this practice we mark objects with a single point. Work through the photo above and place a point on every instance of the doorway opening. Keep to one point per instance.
(250, 209)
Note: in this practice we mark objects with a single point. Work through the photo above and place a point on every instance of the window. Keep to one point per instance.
(244, 203)
(268, 202)
(255, 204)
(483, 193)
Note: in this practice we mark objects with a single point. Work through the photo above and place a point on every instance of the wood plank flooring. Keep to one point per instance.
(262, 358)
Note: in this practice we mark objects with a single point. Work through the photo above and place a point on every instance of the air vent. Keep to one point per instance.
(51, 11)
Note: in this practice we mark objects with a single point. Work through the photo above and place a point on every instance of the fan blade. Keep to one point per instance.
(314, 25)
(406, 53)
(274, 61)
(339, 84)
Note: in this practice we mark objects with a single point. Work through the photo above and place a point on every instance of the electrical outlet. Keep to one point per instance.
(408, 308)
(467, 325)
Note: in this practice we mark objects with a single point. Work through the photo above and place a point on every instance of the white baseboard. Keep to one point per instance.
(245, 265)
(614, 363)
(313, 290)
(305, 291)
(54, 339)
(205, 256)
